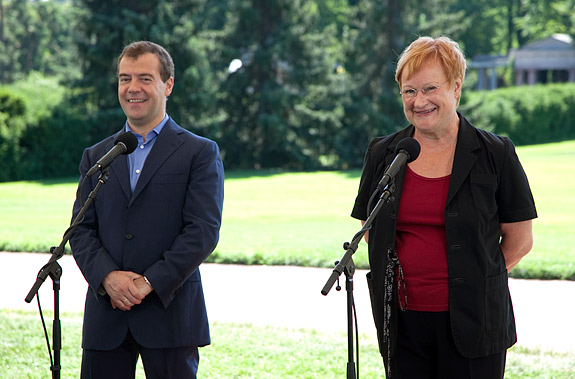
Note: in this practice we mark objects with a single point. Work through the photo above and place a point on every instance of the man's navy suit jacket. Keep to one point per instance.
(164, 230)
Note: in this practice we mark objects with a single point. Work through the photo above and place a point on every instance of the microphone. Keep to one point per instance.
(407, 150)
(125, 144)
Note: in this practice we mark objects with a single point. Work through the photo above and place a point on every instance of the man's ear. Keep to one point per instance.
(169, 86)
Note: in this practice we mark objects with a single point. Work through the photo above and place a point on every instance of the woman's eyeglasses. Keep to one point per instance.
(410, 93)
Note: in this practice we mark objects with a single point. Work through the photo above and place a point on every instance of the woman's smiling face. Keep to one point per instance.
(430, 113)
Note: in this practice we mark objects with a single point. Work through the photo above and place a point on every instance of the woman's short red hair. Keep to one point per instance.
(445, 50)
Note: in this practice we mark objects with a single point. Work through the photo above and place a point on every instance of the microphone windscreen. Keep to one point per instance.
(129, 139)
(410, 146)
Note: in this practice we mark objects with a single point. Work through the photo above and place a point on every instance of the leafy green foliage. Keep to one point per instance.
(37, 36)
(315, 85)
(281, 107)
(40, 134)
(528, 115)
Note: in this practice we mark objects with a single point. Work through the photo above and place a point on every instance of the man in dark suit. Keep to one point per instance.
(156, 219)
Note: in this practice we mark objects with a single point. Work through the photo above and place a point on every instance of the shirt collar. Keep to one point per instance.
(156, 130)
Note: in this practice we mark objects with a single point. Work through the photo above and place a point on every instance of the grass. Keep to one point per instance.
(282, 218)
(303, 218)
(289, 218)
(550, 169)
(241, 351)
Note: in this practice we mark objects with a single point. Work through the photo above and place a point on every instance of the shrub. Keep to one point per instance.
(528, 114)
(40, 134)
(12, 124)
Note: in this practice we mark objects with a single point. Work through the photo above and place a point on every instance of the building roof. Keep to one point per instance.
(553, 53)
(555, 42)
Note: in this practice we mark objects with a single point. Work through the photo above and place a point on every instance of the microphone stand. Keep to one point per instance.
(54, 270)
(346, 265)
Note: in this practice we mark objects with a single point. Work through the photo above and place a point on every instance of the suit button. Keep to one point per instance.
(129, 236)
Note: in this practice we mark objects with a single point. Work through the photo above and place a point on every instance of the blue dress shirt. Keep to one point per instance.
(137, 159)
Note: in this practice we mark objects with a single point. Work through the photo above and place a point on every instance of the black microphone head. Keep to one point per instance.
(129, 140)
(409, 146)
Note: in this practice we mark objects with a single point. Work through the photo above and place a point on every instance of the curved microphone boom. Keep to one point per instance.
(124, 144)
(407, 150)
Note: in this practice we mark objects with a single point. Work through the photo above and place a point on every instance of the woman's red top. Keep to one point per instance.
(420, 242)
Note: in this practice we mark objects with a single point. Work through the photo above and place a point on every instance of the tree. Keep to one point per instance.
(36, 36)
(316, 80)
(109, 25)
(376, 36)
(539, 19)
(280, 108)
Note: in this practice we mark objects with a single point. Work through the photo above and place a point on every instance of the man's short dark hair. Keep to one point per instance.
(137, 49)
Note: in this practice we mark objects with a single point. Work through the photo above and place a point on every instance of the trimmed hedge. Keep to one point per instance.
(528, 114)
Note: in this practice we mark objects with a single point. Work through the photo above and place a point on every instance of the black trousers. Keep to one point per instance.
(426, 350)
(120, 363)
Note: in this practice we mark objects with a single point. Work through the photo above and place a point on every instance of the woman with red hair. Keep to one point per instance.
(459, 221)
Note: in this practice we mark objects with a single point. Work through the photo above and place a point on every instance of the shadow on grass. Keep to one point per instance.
(231, 174)
(266, 173)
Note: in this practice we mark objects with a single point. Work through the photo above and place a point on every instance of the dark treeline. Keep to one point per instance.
(315, 81)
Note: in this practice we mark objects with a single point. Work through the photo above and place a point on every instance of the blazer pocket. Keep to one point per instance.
(497, 300)
(483, 190)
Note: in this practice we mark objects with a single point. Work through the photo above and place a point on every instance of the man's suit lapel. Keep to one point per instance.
(119, 169)
(166, 144)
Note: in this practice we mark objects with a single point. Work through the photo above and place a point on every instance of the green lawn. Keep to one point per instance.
(241, 351)
(282, 218)
(303, 218)
(551, 170)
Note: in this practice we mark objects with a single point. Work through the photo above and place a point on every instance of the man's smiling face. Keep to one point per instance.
(141, 91)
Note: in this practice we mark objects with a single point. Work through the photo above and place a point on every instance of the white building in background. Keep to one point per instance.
(550, 60)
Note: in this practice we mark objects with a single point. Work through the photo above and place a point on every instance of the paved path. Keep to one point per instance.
(290, 296)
